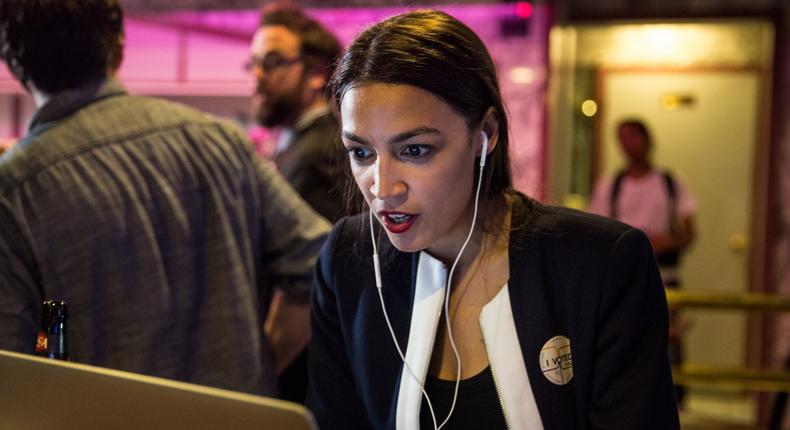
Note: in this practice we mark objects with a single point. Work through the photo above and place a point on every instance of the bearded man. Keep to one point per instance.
(292, 57)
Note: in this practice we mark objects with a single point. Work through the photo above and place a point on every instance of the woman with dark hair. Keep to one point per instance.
(457, 302)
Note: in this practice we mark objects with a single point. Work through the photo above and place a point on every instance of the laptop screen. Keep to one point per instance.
(42, 393)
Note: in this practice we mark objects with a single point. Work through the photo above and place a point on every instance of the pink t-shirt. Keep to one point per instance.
(643, 202)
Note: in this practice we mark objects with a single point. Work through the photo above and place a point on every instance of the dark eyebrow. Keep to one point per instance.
(400, 137)
(353, 137)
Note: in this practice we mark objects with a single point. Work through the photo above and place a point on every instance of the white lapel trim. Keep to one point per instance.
(428, 304)
(507, 364)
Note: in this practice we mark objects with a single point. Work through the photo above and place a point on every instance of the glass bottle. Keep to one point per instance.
(52, 341)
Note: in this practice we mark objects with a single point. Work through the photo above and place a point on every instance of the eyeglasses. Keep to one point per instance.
(269, 62)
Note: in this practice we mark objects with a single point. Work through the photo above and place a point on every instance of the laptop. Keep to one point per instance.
(38, 393)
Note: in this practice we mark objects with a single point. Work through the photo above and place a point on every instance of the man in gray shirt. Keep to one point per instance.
(157, 223)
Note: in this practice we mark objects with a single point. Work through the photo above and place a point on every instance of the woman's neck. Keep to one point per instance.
(476, 281)
(484, 243)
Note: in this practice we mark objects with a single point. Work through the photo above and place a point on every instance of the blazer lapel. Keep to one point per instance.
(510, 376)
(534, 307)
(377, 354)
(426, 310)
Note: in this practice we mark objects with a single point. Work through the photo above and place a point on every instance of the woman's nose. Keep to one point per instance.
(387, 182)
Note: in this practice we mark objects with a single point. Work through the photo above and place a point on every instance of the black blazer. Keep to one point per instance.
(592, 279)
(312, 164)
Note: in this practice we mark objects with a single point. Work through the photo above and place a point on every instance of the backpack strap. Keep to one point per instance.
(670, 183)
(616, 185)
(670, 258)
(671, 187)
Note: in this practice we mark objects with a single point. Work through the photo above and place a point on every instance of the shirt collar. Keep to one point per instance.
(69, 101)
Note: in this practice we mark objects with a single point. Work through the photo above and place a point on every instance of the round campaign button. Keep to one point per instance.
(555, 360)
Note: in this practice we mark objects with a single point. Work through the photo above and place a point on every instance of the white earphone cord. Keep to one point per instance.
(449, 284)
(377, 271)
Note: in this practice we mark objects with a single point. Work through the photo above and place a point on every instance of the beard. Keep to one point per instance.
(278, 109)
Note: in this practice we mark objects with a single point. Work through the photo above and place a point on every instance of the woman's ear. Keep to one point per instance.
(489, 126)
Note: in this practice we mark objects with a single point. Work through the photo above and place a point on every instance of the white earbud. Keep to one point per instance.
(484, 152)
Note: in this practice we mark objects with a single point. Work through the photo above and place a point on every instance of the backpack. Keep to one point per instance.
(669, 258)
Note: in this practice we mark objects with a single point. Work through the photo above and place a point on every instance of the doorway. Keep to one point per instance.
(704, 128)
(705, 131)
(701, 87)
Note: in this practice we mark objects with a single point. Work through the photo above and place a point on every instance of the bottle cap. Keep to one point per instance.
(56, 309)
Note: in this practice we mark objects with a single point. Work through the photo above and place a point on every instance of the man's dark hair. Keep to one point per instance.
(319, 48)
(435, 52)
(61, 44)
(639, 126)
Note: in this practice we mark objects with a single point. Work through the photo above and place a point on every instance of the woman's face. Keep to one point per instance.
(412, 157)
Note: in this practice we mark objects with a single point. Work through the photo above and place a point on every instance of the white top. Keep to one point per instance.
(644, 202)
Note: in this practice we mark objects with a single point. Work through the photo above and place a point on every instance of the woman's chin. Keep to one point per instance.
(404, 245)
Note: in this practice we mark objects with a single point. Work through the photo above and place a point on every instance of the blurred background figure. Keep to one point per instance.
(157, 223)
(291, 58)
(655, 201)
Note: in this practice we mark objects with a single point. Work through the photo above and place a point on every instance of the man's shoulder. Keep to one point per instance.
(318, 144)
(111, 121)
(322, 133)
(161, 112)
(132, 117)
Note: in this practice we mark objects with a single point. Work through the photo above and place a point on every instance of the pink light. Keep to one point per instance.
(524, 9)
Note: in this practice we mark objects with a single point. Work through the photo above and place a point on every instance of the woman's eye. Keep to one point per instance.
(416, 150)
(358, 153)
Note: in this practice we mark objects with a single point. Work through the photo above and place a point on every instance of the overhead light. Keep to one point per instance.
(589, 108)
(524, 9)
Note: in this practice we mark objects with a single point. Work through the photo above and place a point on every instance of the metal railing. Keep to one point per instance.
(754, 302)
(726, 376)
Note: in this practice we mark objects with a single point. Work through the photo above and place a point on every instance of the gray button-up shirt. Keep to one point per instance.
(160, 227)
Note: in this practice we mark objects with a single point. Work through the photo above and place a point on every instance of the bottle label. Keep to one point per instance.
(41, 342)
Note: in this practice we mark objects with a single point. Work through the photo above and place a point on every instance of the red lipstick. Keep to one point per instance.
(397, 222)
